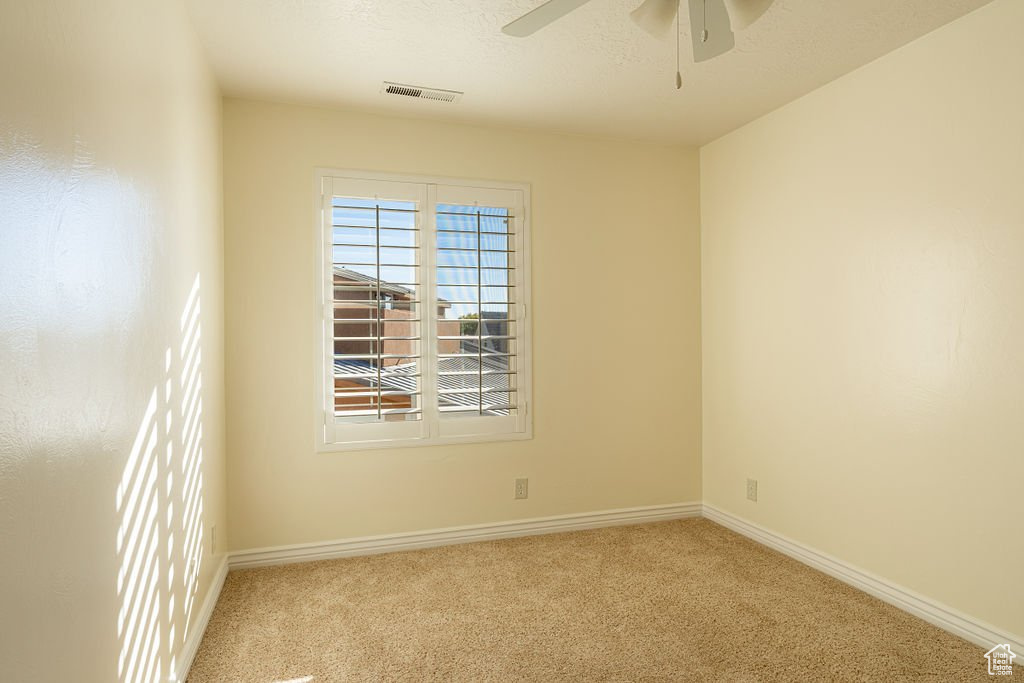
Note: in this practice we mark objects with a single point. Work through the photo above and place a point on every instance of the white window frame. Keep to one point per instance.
(431, 429)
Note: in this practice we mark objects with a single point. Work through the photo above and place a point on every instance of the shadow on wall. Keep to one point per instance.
(159, 504)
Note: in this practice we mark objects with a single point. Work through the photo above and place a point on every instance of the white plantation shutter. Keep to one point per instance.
(373, 295)
(423, 314)
(478, 287)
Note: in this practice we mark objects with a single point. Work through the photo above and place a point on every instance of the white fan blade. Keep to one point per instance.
(656, 16)
(712, 37)
(540, 17)
(743, 13)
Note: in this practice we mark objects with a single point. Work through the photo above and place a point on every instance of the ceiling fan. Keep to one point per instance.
(711, 21)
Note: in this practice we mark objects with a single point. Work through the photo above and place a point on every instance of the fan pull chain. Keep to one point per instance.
(704, 30)
(679, 75)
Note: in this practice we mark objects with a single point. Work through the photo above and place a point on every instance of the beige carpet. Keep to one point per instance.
(674, 601)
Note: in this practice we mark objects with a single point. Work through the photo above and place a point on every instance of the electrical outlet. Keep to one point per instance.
(213, 539)
(522, 489)
(752, 489)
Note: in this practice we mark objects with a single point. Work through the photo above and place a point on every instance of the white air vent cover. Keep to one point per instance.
(404, 90)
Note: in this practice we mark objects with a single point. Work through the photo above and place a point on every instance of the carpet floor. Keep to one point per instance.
(686, 600)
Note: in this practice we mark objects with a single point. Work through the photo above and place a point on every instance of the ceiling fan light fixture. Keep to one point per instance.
(743, 13)
(656, 16)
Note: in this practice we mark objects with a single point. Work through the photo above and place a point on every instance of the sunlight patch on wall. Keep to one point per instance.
(159, 506)
(137, 500)
(191, 381)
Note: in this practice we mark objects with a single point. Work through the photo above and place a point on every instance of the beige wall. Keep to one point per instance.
(109, 210)
(862, 317)
(616, 408)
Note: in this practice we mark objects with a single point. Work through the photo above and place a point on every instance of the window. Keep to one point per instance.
(422, 325)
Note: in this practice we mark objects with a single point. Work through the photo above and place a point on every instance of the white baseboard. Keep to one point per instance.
(390, 543)
(946, 618)
(195, 633)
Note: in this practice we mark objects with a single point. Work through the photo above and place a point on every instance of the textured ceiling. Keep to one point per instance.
(592, 71)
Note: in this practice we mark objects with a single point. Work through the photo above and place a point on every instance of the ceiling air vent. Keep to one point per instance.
(420, 92)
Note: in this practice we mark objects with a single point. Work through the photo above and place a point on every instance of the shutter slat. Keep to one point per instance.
(460, 373)
(367, 246)
(368, 264)
(373, 394)
(372, 321)
(483, 408)
(384, 375)
(474, 232)
(371, 227)
(447, 267)
(478, 251)
(368, 356)
(485, 336)
(474, 392)
(382, 209)
(376, 338)
(341, 412)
